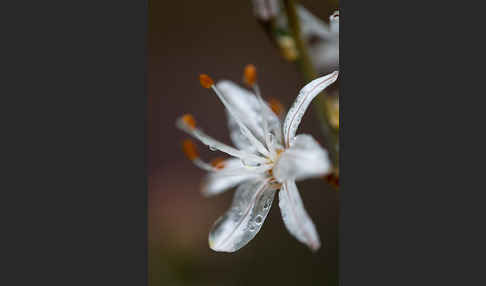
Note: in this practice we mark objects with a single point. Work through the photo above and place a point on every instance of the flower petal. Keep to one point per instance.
(322, 38)
(325, 55)
(295, 217)
(248, 108)
(304, 159)
(232, 175)
(334, 22)
(301, 103)
(240, 224)
(312, 26)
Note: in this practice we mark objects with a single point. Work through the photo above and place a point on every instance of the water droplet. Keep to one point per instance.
(251, 228)
(212, 148)
(266, 205)
(259, 219)
(250, 163)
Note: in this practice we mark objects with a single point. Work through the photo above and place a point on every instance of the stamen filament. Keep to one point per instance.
(238, 171)
(218, 163)
(203, 165)
(213, 143)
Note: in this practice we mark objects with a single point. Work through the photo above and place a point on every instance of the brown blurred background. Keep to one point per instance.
(219, 38)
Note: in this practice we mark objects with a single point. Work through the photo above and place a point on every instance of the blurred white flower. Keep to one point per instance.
(268, 157)
(322, 39)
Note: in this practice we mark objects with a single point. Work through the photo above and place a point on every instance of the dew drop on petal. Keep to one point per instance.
(251, 228)
(259, 219)
(212, 148)
(250, 163)
(266, 205)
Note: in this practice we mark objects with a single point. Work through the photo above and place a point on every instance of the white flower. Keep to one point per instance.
(268, 157)
(323, 39)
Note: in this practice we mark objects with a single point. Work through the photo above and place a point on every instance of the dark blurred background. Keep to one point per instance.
(219, 38)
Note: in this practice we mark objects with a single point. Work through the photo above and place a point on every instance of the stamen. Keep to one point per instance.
(203, 165)
(218, 163)
(213, 143)
(190, 149)
(192, 154)
(276, 106)
(250, 78)
(206, 81)
(189, 120)
(250, 75)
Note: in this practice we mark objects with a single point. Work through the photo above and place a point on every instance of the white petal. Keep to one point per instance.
(311, 26)
(244, 104)
(325, 51)
(244, 219)
(232, 175)
(270, 121)
(325, 55)
(295, 217)
(304, 159)
(334, 22)
(239, 119)
(247, 107)
(301, 103)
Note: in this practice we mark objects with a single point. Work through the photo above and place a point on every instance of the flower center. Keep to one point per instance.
(279, 152)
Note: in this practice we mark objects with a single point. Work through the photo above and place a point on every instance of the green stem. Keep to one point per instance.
(304, 59)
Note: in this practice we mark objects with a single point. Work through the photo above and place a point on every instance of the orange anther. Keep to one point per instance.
(189, 120)
(250, 75)
(276, 106)
(205, 80)
(189, 149)
(218, 163)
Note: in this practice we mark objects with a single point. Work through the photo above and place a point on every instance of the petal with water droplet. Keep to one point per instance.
(245, 217)
(301, 103)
